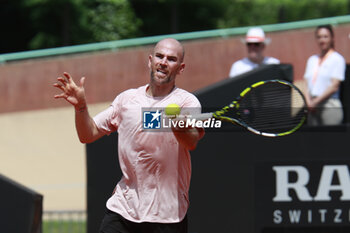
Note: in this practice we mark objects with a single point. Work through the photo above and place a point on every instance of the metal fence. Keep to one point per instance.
(64, 221)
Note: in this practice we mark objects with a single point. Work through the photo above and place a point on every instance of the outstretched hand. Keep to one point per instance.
(73, 93)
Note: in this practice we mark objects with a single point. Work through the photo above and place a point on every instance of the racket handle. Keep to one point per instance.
(203, 116)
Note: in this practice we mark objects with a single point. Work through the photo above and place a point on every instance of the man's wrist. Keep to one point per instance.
(81, 108)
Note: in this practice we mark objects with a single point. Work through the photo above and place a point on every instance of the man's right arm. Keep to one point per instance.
(86, 128)
(75, 95)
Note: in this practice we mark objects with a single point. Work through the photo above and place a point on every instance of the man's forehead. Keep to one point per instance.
(167, 47)
(169, 44)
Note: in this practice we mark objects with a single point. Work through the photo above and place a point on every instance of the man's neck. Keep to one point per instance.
(258, 61)
(158, 91)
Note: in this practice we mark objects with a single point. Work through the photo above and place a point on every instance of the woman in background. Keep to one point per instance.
(323, 75)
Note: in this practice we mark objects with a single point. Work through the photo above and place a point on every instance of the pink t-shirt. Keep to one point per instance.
(156, 168)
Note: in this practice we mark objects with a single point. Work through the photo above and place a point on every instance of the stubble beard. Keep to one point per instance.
(155, 80)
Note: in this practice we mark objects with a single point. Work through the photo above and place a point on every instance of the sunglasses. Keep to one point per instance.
(254, 44)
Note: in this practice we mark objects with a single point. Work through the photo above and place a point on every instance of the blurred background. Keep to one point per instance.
(38, 143)
(39, 24)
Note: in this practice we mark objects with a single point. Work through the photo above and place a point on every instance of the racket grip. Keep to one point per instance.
(202, 117)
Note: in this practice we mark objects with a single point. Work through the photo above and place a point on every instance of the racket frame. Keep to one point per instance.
(235, 105)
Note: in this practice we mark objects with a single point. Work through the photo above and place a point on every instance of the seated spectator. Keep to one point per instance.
(256, 42)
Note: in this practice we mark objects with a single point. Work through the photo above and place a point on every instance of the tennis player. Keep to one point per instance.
(152, 195)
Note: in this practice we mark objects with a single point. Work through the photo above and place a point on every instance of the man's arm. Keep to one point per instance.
(75, 95)
(188, 137)
(86, 127)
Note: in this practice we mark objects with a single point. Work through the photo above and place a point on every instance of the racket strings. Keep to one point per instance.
(272, 107)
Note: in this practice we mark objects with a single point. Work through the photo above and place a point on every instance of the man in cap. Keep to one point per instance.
(256, 42)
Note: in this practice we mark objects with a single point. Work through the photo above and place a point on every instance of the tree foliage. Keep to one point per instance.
(65, 22)
(176, 16)
(53, 23)
(34, 24)
(112, 20)
(258, 12)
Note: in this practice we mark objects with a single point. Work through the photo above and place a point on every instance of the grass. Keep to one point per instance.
(63, 226)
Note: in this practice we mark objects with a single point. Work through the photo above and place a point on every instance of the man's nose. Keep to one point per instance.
(164, 61)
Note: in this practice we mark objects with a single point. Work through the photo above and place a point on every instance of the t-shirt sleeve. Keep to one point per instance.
(234, 71)
(307, 73)
(191, 106)
(108, 120)
(275, 61)
(338, 71)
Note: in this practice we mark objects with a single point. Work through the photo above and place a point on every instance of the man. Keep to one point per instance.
(152, 195)
(255, 41)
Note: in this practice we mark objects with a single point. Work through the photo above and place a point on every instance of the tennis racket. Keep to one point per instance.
(269, 108)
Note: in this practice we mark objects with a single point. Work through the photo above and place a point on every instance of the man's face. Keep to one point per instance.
(255, 51)
(166, 62)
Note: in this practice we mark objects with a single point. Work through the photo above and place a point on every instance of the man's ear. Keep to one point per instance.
(181, 69)
(149, 61)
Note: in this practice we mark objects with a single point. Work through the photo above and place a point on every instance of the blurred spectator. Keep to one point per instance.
(323, 75)
(256, 42)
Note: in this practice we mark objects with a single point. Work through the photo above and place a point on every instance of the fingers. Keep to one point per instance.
(69, 78)
(65, 81)
(82, 81)
(63, 95)
(60, 86)
(63, 84)
(62, 81)
(68, 86)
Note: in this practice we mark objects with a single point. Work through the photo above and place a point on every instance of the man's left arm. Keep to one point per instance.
(188, 137)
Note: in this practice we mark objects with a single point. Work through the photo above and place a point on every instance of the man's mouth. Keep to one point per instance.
(162, 72)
